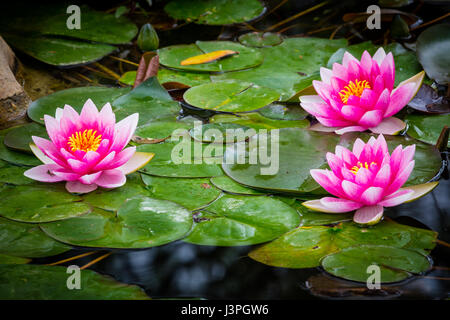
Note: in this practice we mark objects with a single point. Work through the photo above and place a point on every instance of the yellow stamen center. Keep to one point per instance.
(355, 169)
(88, 140)
(353, 89)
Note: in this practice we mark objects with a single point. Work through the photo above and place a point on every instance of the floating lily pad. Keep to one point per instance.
(59, 52)
(395, 264)
(230, 96)
(75, 97)
(172, 56)
(149, 99)
(278, 111)
(214, 12)
(19, 138)
(160, 129)
(190, 79)
(427, 128)
(304, 247)
(234, 220)
(433, 45)
(14, 175)
(228, 185)
(168, 160)
(260, 39)
(112, 199)
(219, 132)
(38, 282)
(27, 240)
(286, 67)
(19, 158)
(191, 193)
(299, 152)
(5, 259)
(257, 121)
(43, 32)
(139, 223)
(33, 203)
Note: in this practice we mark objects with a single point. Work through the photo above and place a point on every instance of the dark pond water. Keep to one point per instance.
(184, 270)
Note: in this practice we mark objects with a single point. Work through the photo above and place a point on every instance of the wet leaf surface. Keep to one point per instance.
(427, 128)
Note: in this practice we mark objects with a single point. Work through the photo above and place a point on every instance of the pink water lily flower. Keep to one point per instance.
(360, 95)
(367, 180)
(87, 150)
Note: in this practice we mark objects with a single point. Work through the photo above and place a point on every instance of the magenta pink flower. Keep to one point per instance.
(367, 180)
(360, 95)
(87, 149)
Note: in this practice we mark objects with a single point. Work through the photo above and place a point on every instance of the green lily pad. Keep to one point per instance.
(43, 32)
(27, 240)
(304, 247)
(234, 220)
(286, 67)
(160, 129)
(278, 111)
(14, 175)
(257, 121)
(260, 39)
(214, 12)
(112, 199)
(19, 138)
(149, 99)
(5, 259)
(219, 132)
(59, 52)
(230, 96)
(427, 128)
(395, 264)
(191, 193)
(228, 185)
(38, 282)
(172, 56)
(139, 223)
(299, 152)
(40, 203)
(75, 97)
(432, 49)
(19, 158)
(190, 79)
(165, 165)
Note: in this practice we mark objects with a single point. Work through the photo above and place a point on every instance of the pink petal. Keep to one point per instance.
(383, 177)
(358, 146)
(350, 129)
(107, 117)
(91, 158)
(123, 132)
(78, 187)
(352, 190)
(66, 175)
(40, 155)
(368, 215)
(396, 198)
(340, 72)
(346, 155)
(368, 99)
(325, 74)
(371, 118)
(105, 162)
(89, 115)
(401, 178)
(363, 177)
(352, 113)
(387, 70)
(90, 178)
(347, 58)
(372, 195)
(52, 126)
(400, 98)
(366, 63)
(391, 126)
(111, 179)
(43, 173)
(339, 205)
(49, 149)
(327, 180)
(77, 166)
(122, 157)
(328, 122)
(379, 56)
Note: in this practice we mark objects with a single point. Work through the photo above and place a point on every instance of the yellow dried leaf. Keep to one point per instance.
(208, 57)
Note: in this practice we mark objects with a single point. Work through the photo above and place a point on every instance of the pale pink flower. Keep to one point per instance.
(87, 149)
(367, 179)
(360, 95)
